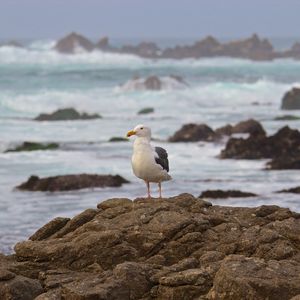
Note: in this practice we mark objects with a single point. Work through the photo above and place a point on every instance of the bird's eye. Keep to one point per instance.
(142, 128)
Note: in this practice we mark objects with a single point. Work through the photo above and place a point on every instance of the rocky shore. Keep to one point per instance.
(254, 48)
(177, 248)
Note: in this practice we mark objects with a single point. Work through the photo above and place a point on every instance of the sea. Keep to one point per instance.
(36, 79)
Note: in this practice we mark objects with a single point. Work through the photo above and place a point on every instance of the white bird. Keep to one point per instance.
(148, 163)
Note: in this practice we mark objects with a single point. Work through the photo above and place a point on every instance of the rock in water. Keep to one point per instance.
(215, 194)
(71, 182)
(65, 115)
(73, 43)
(193, 133)
(31, 146)
(146, 110)
(291, 99)
(176, 248)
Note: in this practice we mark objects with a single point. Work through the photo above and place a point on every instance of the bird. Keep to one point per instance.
(149, 163)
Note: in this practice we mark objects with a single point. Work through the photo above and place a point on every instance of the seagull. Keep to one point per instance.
(148, 163)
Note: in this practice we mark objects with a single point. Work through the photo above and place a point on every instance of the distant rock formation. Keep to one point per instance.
(73, 43)
(154, 83)
(71, 182)
(66, 114)
(173, 248)
(220, 194)
(146, 110)
(254, 48)
(33, 146)
(291, 99)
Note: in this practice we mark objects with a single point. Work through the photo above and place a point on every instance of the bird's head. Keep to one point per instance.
(140, 131)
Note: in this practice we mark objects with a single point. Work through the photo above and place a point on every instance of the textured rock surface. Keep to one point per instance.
(193, 133)
(291, 99)
(71, 182)
(176, 248)
(66, 114)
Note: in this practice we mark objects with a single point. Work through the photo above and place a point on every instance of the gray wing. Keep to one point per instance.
(161, 158)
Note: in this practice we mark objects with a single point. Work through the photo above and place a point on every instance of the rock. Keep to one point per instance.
(118, 139)
(71, 182)
(283, 144)
(66, 114)
(32, 146)
(174, 248)
(225, 194)
(241, 277)
(49, 229)
(103, 44)
(250, 126)
(154, 83)
(295, 190)
(73, 43)
(20, 288)
(193, 133)
(285, 162)
(287, 118)
(146, 110)
(291, 99)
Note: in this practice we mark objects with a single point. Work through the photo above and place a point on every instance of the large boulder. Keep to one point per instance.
(144, 49)
(73, 43)
(193, 133)
(291, 99)
(103, 44)
(176, 248)
(66, 114)
(71, 182)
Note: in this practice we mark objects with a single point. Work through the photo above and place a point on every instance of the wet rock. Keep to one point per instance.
(71, 182)
(291, 99)
(295, 190)
(287, 118)
(146, 110)
(164, 249)
(73, 43)
(66, 114)
(285, 143)
(250, 126)
(225, 194)
(118, 139)
(32, 146)
(286, 162)
(193, 133)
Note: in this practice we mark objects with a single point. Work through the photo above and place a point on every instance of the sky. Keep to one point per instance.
(149, 18)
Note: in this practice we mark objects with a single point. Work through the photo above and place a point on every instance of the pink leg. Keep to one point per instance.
(159, 186)
(148, 189)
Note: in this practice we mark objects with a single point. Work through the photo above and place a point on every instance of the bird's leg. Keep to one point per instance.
(148, 189)
(159, 186)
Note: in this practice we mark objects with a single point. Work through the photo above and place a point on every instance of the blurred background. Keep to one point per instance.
(115, 64)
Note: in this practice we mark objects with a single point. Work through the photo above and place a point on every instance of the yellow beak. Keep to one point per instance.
(130, 133)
